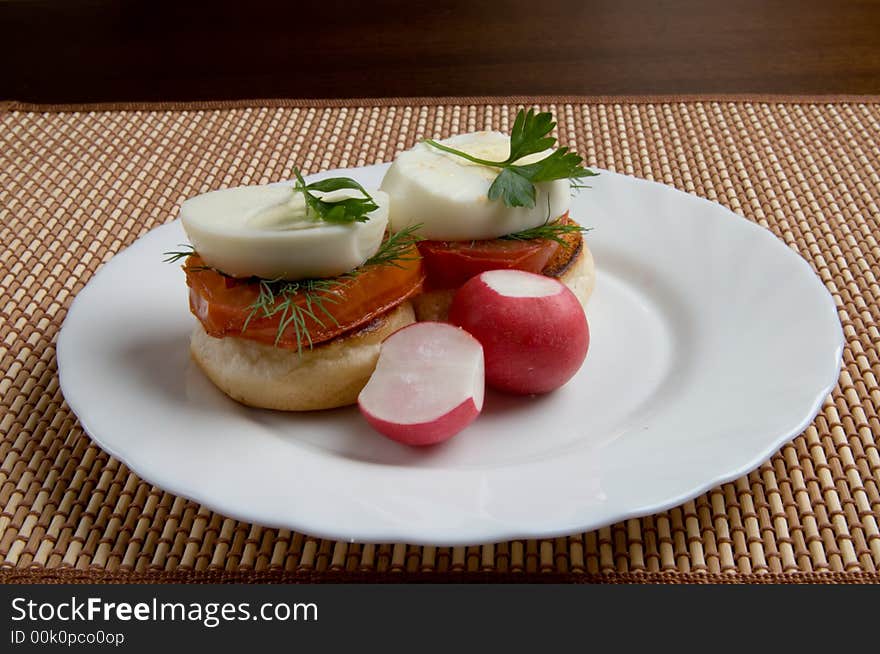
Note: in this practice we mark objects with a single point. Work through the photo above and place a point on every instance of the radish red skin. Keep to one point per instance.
(531, 345)
(428, 433)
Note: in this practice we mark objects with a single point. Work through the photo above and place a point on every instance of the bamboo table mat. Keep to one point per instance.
(78, 184)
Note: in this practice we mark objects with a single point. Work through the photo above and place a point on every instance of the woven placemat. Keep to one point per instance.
(78, 184)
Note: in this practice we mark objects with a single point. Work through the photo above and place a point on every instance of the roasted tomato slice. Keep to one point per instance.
(449, 264)
(225, 305)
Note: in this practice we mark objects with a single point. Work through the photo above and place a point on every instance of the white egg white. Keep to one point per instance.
(264, 231)
(448, 195)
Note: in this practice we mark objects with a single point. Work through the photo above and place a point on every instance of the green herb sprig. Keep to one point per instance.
(396, 248)
(515, 184)
(345, 211)
(279, 296)
(174, 256)
(548, 231)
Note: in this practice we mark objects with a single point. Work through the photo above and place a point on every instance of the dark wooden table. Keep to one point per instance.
(100, 50)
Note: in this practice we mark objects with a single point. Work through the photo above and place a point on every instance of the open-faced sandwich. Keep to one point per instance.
(295, 286)
(488, 201)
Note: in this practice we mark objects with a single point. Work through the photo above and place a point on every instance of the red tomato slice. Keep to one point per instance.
(449, 264)
(223, 305)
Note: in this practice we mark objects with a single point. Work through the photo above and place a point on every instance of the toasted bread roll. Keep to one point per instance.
(327, 376)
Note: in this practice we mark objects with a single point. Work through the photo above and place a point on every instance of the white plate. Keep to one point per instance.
(712, 344)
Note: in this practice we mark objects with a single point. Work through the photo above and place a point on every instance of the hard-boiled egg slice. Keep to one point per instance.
(447, 194)
(265, 231)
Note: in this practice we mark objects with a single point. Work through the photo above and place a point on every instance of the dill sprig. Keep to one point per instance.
(395, 249)
(280, 296)
(548, 231)
(187, 251)
(174, 256)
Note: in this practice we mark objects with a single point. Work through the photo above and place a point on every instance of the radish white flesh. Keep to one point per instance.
(511, 283)
(533, 329)
(428, 384)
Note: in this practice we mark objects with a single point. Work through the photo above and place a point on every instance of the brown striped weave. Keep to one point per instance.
(78, 184)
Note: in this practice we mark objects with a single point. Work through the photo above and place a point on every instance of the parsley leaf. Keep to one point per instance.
(515, 189)
(515, 184)
(559, 165)
(344, 211)
(529, 134)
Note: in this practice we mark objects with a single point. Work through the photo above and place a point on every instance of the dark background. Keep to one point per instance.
(105, 50)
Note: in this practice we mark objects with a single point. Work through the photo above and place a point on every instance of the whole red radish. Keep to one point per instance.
(533, 329)
(428, 384)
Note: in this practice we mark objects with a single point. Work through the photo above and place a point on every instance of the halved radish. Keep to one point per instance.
(533, 329)
(428, 384)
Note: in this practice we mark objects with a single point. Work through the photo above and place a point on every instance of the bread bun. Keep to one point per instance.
(327, 376)
(579, 276)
